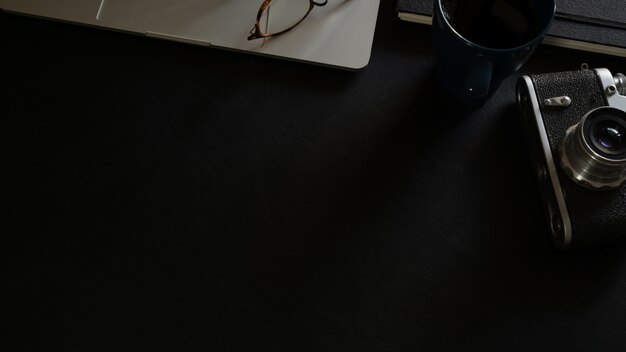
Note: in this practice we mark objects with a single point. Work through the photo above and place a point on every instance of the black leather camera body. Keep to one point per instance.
(575, 123)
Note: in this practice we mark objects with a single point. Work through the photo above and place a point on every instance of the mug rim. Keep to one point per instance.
(540, 36)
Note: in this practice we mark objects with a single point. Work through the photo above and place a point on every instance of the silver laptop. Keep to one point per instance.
(338, 34)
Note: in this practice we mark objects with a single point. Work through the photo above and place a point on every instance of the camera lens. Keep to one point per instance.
(610, 137)
(593, 152)
(605, 132)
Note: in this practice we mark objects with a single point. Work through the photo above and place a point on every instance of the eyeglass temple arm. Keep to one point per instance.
(254, 32)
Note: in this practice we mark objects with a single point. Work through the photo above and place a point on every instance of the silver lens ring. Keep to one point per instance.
(620, 83)
(593, 152)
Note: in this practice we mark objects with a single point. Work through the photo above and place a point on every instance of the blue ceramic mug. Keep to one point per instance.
(481, 42)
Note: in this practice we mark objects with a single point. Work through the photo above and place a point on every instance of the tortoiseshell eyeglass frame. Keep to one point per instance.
(256, 32)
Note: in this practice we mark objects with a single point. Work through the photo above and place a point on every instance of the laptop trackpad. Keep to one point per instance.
(226, 21)
(81, 11)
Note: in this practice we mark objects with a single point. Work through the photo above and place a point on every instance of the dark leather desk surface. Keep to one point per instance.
(171, 197)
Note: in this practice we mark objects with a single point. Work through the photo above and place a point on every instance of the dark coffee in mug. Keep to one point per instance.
(498, 24)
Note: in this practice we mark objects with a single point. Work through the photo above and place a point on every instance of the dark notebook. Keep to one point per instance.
(590, 25)
(610, 13)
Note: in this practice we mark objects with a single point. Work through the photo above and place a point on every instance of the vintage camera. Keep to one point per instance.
(576, 126)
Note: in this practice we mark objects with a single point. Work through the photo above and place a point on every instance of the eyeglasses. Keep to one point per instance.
(286, 14)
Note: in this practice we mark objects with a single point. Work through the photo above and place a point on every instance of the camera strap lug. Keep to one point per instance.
(563, 101)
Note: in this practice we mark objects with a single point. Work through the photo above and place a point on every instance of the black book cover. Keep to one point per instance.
(592, 25)
(610, 13)
(421, 7)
